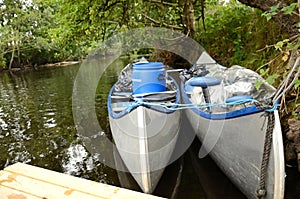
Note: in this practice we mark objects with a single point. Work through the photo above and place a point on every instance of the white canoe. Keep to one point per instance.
(145, 135)
(235, 136)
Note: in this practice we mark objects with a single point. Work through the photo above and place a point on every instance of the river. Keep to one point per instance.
(37, 128)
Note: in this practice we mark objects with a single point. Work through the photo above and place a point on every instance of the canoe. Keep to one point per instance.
(167, 186)
(144, 134)
(237, 126)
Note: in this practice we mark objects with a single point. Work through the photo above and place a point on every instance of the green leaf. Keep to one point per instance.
(274, 8)
(271, 79)
(281, 43)
(289, 9)
(267, 15)
(263, 72)
(258, 84)
(296, 83)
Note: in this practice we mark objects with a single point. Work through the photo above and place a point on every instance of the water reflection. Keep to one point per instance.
(36, 122)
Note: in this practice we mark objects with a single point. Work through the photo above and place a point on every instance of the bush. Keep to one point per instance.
(235, 33)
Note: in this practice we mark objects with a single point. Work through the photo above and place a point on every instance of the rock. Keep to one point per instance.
(290, 136)
(293, 146)
(290, 152)
(294, 124)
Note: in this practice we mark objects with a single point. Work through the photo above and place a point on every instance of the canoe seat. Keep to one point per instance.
(157, 96)
(121, 95)
(203, 82)
(238, 98)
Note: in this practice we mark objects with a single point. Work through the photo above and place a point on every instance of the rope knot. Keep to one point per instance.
(267, 105)
(261, 193)
(136, 103)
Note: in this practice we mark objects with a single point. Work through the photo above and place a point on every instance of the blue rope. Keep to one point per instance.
(136, 103)
(177, 106)
(274, 108)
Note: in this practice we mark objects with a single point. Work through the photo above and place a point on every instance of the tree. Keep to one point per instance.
(82, 24)
(24, 31)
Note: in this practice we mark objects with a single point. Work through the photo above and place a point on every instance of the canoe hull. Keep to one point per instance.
(145, 140)
(236, 145)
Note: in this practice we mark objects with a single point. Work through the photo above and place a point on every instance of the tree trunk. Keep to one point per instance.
(12, 58)
(287, 22)
(19, 57)
(188, 17)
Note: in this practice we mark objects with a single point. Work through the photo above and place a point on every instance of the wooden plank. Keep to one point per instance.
(45, 183)
(42, 189)
(9, 193)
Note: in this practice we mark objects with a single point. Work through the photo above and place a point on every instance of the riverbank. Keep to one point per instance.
(63, 63)
(48, 65)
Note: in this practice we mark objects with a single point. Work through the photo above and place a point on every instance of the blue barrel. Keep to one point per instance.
(148, 77)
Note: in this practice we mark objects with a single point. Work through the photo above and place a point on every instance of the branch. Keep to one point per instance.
(287, 22)
(292, 40)
(269, 62)
(262, 5)
(163, 2)
(109, 7)
(164, 24)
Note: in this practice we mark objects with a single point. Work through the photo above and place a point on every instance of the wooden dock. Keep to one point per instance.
(22, 181)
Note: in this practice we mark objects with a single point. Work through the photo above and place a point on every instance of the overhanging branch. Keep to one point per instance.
(164, 24)
(163, 3)
(287, 22)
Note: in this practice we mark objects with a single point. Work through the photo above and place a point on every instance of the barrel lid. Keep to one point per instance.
(149, 65)
(203, 82)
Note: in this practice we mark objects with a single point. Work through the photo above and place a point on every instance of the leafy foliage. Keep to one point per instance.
(24, 32)
(54, 30)
(269, 78)
(237, 34)
(297, 84)
(289, 9)
(82, 24)
(271, 12)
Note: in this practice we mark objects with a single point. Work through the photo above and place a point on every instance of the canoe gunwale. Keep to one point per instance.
(219, 116)
(279, 180)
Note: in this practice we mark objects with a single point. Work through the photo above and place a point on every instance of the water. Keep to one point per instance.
(36, 123)
(37, 127)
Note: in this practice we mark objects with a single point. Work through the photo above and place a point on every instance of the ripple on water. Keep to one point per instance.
(76, 158)
(50, 123)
